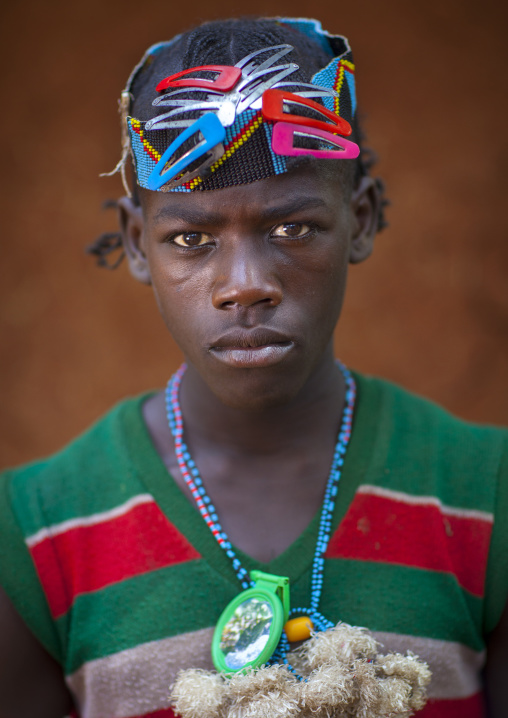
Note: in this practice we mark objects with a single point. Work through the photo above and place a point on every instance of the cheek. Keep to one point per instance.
(181, 294)
(321, 276)
(324, 296)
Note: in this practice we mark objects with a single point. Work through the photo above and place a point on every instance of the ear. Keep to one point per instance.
(130, 216)
(365, 206)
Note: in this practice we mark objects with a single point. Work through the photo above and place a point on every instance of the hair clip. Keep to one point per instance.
(206, 111)
(237, 88)
(283, 137)
(172, 99)
(248, 67)
(312, 91)
(274, 102)
(227, 105)
(163, 122)
(315, 92)
(213, 136)
(253, 87)
(225, 80)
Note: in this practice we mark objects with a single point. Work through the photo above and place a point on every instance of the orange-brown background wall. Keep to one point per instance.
(429, 309)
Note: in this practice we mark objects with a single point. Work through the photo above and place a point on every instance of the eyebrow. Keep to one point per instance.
(193, 215)
(296, 204)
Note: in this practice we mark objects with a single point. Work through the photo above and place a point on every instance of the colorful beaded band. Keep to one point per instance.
(223, 125)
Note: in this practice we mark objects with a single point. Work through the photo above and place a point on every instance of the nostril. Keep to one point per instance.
(231, 303)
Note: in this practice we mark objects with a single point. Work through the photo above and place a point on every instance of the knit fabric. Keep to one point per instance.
(119, 577)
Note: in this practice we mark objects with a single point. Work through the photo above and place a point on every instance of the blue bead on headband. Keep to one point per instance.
(241, 125)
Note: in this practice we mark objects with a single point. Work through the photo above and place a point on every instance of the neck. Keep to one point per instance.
(312, 415)
(265, 470)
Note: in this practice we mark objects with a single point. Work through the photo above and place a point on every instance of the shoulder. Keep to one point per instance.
(398, 400)
(411, 423)
(77, 472)
(423, 456)
(92, 474)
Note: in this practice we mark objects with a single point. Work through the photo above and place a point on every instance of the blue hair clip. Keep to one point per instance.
(213, 136)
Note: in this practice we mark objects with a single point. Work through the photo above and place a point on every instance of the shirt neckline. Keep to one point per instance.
(135, 443)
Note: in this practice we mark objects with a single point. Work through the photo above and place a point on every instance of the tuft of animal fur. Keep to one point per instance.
(344, 676)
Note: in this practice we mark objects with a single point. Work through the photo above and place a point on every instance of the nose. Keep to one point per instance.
(246, 277)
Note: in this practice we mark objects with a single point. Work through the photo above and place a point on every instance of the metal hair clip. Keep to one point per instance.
(283, 137)
(163, 121)
(171, 99)
(227, 76)
(228, 105)
(248, 67)
(249, 95)
(255, 79)
(313, 91)
(316, 92)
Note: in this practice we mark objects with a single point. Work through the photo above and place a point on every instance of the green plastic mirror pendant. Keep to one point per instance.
(251, 625)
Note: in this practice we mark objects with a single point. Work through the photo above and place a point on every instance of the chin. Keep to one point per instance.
(251, 391)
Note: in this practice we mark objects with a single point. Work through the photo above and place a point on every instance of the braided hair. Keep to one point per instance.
(225, 42)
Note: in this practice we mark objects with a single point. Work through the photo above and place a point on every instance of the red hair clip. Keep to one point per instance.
(273, 109)
(226, 79)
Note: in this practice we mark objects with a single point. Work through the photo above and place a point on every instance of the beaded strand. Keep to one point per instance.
(193, 480)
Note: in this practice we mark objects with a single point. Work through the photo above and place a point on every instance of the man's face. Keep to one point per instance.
(249, 279)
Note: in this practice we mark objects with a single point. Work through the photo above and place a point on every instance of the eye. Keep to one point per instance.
(291, 229)
(191, 239)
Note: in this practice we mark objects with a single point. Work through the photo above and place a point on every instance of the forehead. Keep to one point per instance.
(302, 189)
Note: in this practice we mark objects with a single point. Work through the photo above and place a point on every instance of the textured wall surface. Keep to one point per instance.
(429, 309)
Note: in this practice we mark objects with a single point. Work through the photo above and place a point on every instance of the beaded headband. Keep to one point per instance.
(223, 125)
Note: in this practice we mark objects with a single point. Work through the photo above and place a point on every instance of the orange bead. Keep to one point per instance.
(298, 629)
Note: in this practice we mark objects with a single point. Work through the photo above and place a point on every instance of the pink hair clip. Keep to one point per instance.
(283, 142)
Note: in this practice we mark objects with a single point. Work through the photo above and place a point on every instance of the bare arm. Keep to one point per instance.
(31, 681)
(496, 671)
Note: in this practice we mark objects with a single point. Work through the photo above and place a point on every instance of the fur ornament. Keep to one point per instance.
(345, 677)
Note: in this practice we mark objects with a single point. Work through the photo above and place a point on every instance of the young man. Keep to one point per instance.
(112, 578)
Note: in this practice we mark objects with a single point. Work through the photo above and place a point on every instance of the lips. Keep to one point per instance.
(260, 347)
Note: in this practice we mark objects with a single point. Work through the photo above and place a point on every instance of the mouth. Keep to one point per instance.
(251, 349)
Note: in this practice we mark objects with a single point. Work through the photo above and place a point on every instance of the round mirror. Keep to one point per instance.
(246, 634)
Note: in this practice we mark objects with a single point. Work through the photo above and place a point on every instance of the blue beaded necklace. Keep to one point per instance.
(193, 480)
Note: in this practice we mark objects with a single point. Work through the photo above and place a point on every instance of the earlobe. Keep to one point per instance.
(130, 216)
(365, 206)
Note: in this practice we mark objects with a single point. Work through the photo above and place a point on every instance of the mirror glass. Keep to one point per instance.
(246, 633)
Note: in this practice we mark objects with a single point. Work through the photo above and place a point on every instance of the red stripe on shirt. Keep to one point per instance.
(377, 528)
(471, 707)
(87, 558)
(163, 713)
